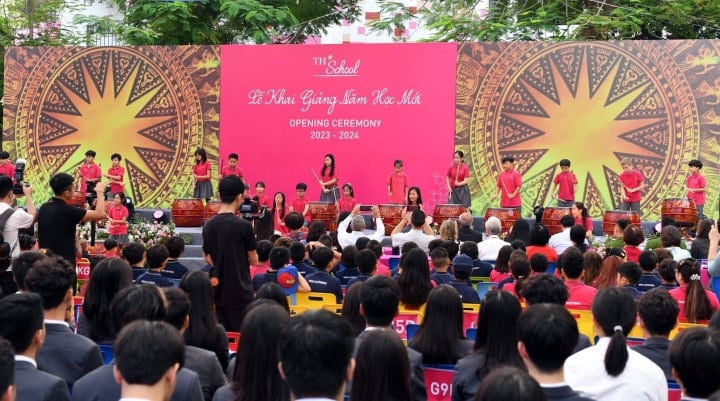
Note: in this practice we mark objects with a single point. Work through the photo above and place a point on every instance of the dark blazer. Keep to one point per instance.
(656, 350)
(207, 367)
(417, 375)
(468, 234)
(564, 393)
(35, 385)
(99, 385)
(66, 354)
(465, 382)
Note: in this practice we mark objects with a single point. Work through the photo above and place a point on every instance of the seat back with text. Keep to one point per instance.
(438, 381)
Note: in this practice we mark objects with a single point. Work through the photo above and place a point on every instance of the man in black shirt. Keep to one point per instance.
(57, 220)
(229, 246)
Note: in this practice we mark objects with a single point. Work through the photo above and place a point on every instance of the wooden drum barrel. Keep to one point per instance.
(508, 216)
(187, 212)
(551, 218)
(683, 210)
(444, 212)
(391, 216)
(612, 216)
(326, 212)
(78, 199)
(211, 209)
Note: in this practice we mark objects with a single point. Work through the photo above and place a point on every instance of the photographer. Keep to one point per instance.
(11, 220)
(57, 220)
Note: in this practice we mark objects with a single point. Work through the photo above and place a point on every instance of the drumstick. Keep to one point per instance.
(504, 187)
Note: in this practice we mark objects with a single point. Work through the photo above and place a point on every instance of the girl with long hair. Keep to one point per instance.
(701, 243)
(591, 267)
(577, 236)
(440, 338)
(204, 331)
(414, 198)
(382, 369)
(106, 279)
(351, 308)
(278, 211)
(696, 303)
(495, 344)
(520, 230)
(202, 174)
(328, 180)
(609, 270)
(501, 270)
(414, 281)
(347, 201)
(449, 230)
(582, 218)
(457, 179)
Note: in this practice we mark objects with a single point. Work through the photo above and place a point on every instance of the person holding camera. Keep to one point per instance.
(57, 220)
(11, 219)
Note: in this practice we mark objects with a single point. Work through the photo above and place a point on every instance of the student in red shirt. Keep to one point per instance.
(202, 175)
(696, 303)
(300, 203)
(278, 211)
(232, 168)
(262, 198)
(580, 295)
(6, 167)
(580, 213)
(457, 179)
(329, 180)
(696, 186)
(89, 171)
(115, 174)
(347, 202)
(565, 183)
(633, 183)
(509, 183)
(397, 184)
(117, 219)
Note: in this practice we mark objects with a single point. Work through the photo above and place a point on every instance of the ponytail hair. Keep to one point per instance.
(697, 304)
(614, 310)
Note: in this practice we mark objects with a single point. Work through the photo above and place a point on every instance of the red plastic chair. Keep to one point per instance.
(401, 321)
(438, 380)
(233, 341)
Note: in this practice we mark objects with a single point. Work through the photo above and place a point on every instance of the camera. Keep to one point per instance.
(249, 207)
(19, 177)
(365, 208)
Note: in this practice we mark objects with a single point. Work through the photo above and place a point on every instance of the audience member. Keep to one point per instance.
(111, 248)
(591, 267)
(520, 270)
(488, 249)
(561, 241)
(382, 370)
(7, 371)
(420, 232)
(448, 231)
(616, 239)
(693, 356)
(501, 270)
(441, 263)
(538, 243)
(282, 273)
(107, 279)
(351, 309)
(696, 303)
(655, 243)
(666, 271)
(377, 248)
(609, 270)
(538, 264)
(348, 269)
(414, 282)
(657, 316)
(520, 230)
(462, 266)
(633, 236)
(671, 237)
(174, 268)
(580, 295)
(356, 221)
(701, 243)
(273, 292)
(21, 266)
(578, 238)
(157, 256)
(263, 252)
(628, 275)
(134, 254)
(365, 261)
(297, 257)
(509, 383)
(466, 232)
(649, 279)
(322, 280)
(480, 268)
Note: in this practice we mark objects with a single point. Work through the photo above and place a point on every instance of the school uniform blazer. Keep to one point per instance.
(208, 369)
(67, 355)
(417, 375)
(99, 385)
(35, 385)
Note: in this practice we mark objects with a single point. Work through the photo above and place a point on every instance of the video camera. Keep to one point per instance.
(250, 209)
(19, 177)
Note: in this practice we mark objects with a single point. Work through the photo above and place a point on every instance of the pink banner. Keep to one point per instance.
(284, 107)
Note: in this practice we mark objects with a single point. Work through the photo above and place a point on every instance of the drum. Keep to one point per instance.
(187, 212)
(78, 199)
(612, 216)
(444, 212)
(508, 216)
(683, 210)
(391, 216)
(324, 211)
(211, 209)
(551, 218)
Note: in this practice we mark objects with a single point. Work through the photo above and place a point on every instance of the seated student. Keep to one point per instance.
(480, 268)
(139, 302)
(520, 270)
(365, 261)
(462, 266)
(627, 276)
(348, 269)
(297, 257)
(64, 353)
(322, 280)
(83, 248)
(134, 255)
(649, 279)
(7, 371)
(111, 248)
(516, 254)
(671, 238)
(21, 323)
(452, 248)
(279, 272)
(696, 303)
(541, 351)
(657, 316)
(666, 271)
(616, 240)
(440, 263)
(377, 249)
(538, 264)
(263, 251)
(294, 222)
(157, 256)
(200, 361)
(693, 357)
(173, 268)
(148, 374)
(580, 295)
(633, 237)
(654, 243)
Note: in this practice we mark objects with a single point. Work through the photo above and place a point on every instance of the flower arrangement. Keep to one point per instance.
(142, 231)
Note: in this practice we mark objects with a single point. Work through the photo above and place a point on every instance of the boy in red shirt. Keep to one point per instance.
(633, 183)
(115, 174)
(89, 171)
(300, 203)
(232, 168)
(6, 167)
(696, 186)
(398, 184)
(509, 183)
(566, 184)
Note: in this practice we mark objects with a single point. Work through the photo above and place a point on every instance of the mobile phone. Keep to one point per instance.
(412, 208)
(365, 208)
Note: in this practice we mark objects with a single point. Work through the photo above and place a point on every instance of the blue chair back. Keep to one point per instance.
(484, 287)
(551, 268)
(107, 353)
(393, 262)
(471, 333)
(411, 329)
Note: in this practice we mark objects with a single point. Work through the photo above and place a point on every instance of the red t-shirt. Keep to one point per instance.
(264, 200)
(566, 182)
(680, 293)
(508, 182)
(228, 171)
(398, 183)
(458, 173)
(117, 171)
(298, 205)
(279, 223)
(258, 269)
(588, 223)
(202, 169)
(696, 181)
(632, 179)
(580, 295)
(118, 213)
(632, 253)
(496, 276)
(510, 287)
(327, 177)
(8, 169)
(548, 251)
(346, 204)
(89, 172)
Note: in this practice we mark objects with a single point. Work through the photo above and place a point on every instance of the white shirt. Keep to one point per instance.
(345, 239)
(19, 219)
(488, 249)
(678, 253)
(561, 241)
(641, 380)
(415, 235)
(24, 358)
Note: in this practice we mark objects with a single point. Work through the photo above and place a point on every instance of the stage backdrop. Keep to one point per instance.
(153, 105)
(284, 107)
(656, 102)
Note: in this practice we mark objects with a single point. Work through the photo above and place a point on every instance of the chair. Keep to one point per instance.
(704, 274)
(682, 326)
(402, 320)
(297, 310)
(393, 262)
(484, 287)
(470, 315)
(438, 380)
(82, 269)
(584, 322)
(551, 268)
(175, 282)
(674, 391)
(313, 300)
(334, 308)
(715, 284)
(471, 334)
(411, 329)
(233, 341)
(107, 353)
